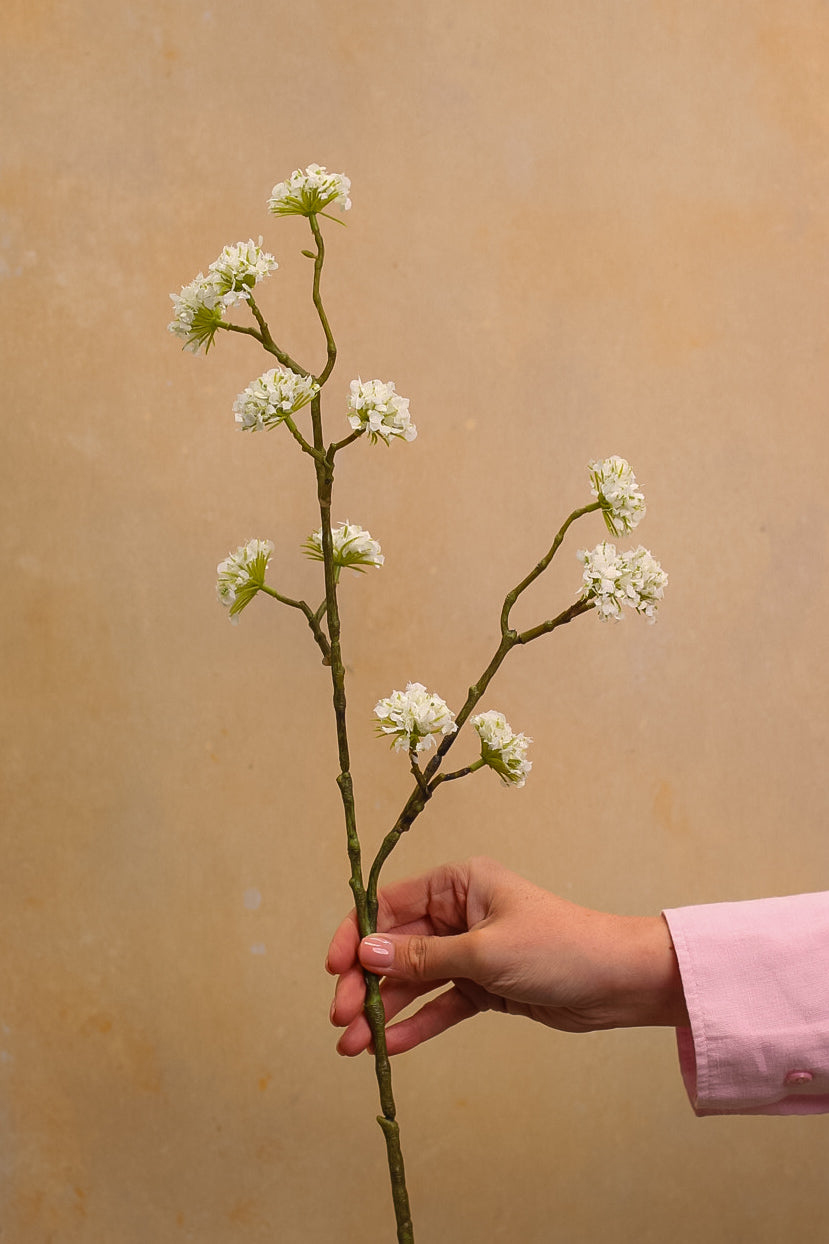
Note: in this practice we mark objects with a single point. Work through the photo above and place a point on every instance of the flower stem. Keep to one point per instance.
(512, 596)
(374, 1009)
(299, 438)
(313, 620)
(329, 340)
(429, 779)
(268, 341)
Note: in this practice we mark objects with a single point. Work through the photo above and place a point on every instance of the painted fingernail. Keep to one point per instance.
(377, 952)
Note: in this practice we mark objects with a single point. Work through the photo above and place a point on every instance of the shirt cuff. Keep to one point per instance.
(756, 982)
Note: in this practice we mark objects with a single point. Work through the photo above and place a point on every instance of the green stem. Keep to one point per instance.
(299, 438)
(544, 628)
(313, 620)
(238, 328)
(509, 639)
(348, 440)
(374, 1009)
(329, 340)
(268, 342)
(512, 596)
(459, 773)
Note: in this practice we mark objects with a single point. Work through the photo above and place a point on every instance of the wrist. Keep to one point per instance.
(650, 992)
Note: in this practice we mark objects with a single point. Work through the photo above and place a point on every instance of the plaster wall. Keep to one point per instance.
(578, 229)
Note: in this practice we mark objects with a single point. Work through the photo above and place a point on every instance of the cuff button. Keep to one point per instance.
(794, 1078)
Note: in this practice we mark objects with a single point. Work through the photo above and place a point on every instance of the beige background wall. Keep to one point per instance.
(578, 229)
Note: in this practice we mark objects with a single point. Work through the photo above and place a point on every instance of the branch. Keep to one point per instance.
(459, 773)
(335, 448)
(512, 596)
(264, 335)
(329, 340)
(313, 621)
(238, 328)
(419, 797)
(300, 439)
(544, 628)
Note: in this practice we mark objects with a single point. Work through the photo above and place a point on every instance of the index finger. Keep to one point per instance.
(342, 950)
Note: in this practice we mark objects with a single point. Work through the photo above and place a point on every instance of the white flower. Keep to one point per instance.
(647, 581)
(614, 484)
(413, 717)
(501, 749)
(198, 311)
(200, 307)
(616, 579)
(267, 400)
(375, 408)
(308, 192)
(353, 546)
(241, 266)
(242, 574)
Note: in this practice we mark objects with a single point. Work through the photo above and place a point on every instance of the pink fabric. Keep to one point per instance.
(756, 981)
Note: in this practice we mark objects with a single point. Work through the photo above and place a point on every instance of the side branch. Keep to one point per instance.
(330, 344)
(239, 328)
(578, 607)
(313, 620)
(512, 596)
(264, 335)
(419, 797)
(336, 446)
(300, 439)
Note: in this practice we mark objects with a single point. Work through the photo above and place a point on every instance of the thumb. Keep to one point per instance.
(416, 957)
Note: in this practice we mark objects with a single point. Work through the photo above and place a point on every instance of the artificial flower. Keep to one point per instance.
(412, 718)
(242, 574)
(308, 192)
(375, 408)
(268, 399)
(614, 484)
(502, 749)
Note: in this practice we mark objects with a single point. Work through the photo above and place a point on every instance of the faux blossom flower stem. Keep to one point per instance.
(414, 719)
(313, 620)
(430, 779)
(373, 1005)
(269, 343)
(329, 340)
(512, 596)
(544, 628)
(459, 773)
(338, 445)
(300, 439)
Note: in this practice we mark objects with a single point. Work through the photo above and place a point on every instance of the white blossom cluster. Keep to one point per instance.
(241, 266)
(272, 396)
(502, 749)
(200, 307)
(241, 575)
(375, 408)
(412, 718)
(352, 545)
(614, 484)
(305, 193)
(616, 579)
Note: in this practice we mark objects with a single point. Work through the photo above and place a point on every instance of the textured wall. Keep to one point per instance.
(578, 229)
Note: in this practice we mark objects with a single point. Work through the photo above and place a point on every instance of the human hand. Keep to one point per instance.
(505, 945)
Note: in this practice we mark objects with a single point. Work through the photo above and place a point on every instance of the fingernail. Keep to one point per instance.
(377, 952)
(331, 1012)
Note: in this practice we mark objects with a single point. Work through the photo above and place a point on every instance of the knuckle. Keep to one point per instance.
(418, 955)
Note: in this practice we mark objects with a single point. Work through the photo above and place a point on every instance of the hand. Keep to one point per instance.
(505, 945)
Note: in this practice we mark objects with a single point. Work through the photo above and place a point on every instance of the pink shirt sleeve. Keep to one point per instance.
(756, 981)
